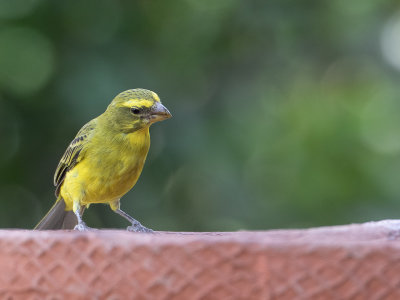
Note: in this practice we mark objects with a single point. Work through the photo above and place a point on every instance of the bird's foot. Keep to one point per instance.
(82, 227)
(137, 227)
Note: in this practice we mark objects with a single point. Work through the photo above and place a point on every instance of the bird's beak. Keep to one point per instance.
(159, 112)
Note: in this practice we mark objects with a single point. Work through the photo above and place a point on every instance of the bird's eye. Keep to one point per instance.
(135, 110)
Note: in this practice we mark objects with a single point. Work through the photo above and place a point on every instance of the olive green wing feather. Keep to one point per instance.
(73, 154)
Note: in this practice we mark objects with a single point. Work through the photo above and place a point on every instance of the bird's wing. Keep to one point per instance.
(73, 154)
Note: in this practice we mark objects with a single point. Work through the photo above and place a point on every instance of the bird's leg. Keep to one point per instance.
(136, 226)
(78, 211)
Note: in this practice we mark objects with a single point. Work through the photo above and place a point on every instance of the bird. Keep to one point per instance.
(104, 161)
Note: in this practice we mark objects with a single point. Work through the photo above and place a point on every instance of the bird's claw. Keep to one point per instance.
(137, 227)
(82, 227)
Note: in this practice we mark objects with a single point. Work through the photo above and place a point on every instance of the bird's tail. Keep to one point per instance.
(57, 218)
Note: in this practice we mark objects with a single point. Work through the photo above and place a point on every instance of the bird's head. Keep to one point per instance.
(135, 109)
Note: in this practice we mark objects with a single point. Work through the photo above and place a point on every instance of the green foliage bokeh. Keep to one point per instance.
(285, 113)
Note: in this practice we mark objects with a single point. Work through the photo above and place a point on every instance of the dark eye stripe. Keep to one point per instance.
(136, 110)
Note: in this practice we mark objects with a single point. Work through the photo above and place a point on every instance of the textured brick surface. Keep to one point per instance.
(344, 262)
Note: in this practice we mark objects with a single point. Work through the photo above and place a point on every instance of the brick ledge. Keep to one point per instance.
(359, 261)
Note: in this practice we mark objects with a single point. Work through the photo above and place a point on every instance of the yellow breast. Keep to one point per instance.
(109, 169)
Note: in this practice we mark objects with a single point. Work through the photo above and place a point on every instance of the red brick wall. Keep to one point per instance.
(344, 262)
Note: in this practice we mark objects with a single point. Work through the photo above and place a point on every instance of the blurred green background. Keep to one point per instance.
(286, 113)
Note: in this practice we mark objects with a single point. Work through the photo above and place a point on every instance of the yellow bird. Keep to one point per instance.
(105, 160)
